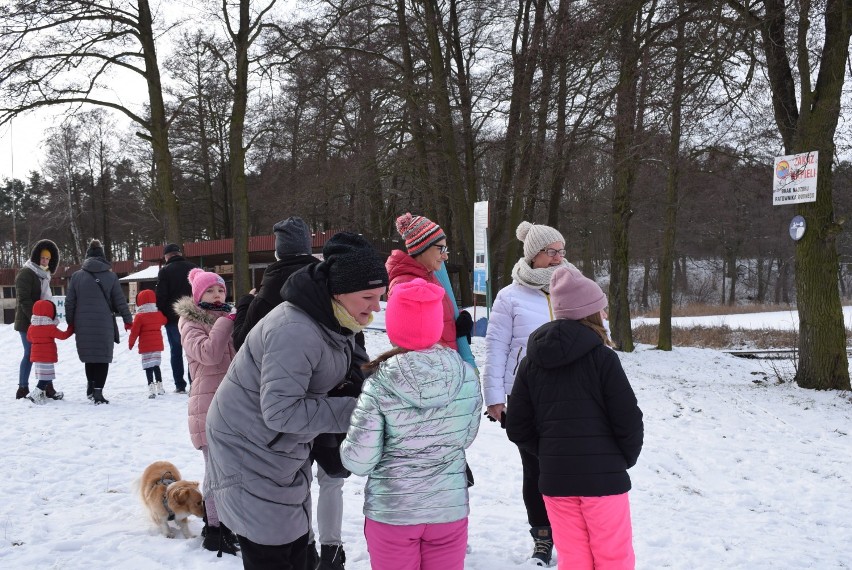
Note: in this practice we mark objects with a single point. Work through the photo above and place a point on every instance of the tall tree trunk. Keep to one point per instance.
(624, 159)
(239, 195)
(664, 338)
(159, 129)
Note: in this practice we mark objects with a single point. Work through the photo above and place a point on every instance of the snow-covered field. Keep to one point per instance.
(739, 470)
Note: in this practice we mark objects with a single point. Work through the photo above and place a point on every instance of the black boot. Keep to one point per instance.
(52, 393)
(215, 542)
(22, 392)
(98, 396)
(90, 387)
(332, 557)
(543, 549)
(312, 556)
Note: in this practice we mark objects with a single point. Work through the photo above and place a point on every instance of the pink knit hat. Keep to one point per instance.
(201, 280)
(573, 295)
(415, 314)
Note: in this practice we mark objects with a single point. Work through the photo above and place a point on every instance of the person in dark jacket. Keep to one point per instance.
(273, 401)
(94, 295)
(173, 284)
(32, 283)
(573, 407)
(292, 252)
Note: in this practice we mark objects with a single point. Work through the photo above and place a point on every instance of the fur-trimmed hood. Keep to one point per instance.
(35, 254)
(185, 307)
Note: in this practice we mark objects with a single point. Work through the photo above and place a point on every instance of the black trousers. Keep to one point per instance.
(292, 556)
(96, 375)
(533, 501)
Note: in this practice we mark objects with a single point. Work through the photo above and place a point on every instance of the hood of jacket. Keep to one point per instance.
(307, 288)
(44, 308)
(185, 307)
(278, 272)
(35, 254)
(561, 342)
(430, 378)
(400, 263)
(96, 264)
(146, 296)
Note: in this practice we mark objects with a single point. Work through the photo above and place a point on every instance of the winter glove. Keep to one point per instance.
(128, 326)
(345, 389)
(464, 325)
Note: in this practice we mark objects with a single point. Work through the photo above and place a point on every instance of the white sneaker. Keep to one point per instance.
(37, 396)
(160, 390)
(152, 391)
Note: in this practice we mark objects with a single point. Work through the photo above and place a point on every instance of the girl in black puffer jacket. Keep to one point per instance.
(573, 407)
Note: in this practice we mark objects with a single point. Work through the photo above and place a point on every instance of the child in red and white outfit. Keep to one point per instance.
(206, 325)
(43, 334)
(415, 417)
(573, 408)
(147, 327)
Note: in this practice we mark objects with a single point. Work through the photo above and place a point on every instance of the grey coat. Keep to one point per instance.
(87, 309)
(269, 407)
(415, 417)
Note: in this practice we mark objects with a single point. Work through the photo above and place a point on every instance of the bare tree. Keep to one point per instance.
(65, 53)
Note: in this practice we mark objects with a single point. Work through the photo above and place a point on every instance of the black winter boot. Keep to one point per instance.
(98, 396)
(543, 549)
(332, 557)
(52, 393)
(214, 541)
(22, 392)
(90, 387)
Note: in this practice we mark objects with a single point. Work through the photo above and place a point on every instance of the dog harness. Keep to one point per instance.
(166, 480)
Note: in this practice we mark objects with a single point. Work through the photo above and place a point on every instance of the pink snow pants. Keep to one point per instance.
(438, 546)
(592, 533)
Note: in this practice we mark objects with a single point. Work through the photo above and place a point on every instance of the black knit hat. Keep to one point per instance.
(292, 236)
(171, 248)
(352, 264)
(95, 249)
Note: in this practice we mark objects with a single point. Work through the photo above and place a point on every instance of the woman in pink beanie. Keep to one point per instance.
(587, 442)
(206, 325)
(415, 417)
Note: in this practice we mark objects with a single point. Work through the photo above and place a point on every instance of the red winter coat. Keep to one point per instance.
(209, 348)
(403, 268)
(147, 324)
(43, 336)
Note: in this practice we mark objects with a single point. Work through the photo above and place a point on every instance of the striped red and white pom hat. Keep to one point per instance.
(419, 232)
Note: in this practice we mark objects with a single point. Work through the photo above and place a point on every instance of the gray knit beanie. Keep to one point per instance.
(536, 237)
(292, 236)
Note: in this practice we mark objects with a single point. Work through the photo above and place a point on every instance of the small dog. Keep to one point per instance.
(168, 497)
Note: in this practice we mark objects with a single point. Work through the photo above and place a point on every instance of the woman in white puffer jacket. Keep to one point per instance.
(518, 310)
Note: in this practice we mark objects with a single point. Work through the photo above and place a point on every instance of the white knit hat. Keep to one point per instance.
(536, 237)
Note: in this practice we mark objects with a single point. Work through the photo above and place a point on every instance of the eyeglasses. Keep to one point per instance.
(553, 252)
(444, 249)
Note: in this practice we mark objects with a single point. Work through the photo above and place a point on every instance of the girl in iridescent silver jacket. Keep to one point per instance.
(415, 417)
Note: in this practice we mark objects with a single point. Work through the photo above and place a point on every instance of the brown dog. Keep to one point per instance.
(167, 497)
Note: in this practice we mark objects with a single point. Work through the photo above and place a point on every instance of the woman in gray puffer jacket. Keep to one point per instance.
(415, 417)
(273, 401)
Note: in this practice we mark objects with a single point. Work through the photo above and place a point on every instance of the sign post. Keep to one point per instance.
(481, 285)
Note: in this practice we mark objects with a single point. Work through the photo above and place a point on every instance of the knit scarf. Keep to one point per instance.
(224, 307)
(43, 275)
(41, 320)
(346, 320)
(525, 275)
(147, 308)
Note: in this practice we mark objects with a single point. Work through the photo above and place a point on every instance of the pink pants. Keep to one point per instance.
(438, 546)
(592, 533)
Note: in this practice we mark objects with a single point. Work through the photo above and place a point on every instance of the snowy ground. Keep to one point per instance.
(739, 470)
